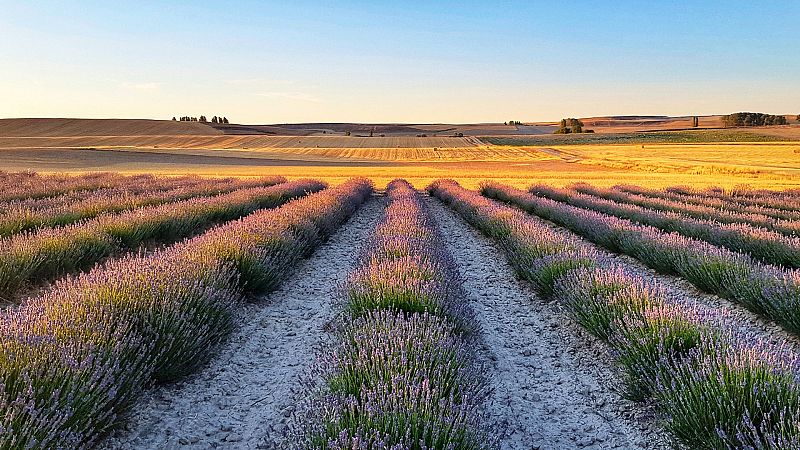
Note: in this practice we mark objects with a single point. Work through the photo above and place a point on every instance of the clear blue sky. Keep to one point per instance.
(263, 62)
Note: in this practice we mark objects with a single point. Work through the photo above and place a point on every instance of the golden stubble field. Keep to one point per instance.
(420, 160)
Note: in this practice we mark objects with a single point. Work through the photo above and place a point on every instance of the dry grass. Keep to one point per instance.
(520, 172)
(307, 144)
(770, 160)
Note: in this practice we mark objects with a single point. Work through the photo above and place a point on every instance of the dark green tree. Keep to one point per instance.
(575, 125)
(748, 119)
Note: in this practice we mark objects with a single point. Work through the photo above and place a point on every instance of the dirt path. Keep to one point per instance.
(244, 397)
(554, 386)
(559, 154)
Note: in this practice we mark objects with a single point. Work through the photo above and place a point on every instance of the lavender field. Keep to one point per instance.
(151, 312)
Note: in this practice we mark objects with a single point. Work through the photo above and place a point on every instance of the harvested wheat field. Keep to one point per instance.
(418, 159)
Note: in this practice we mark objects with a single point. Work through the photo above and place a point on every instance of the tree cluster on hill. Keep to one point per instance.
(571, 125)
(748, 119)
(202, 119)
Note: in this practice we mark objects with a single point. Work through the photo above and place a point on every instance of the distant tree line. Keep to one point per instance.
(748, 119)
(571, 125)
(512, 122)
(203, 119)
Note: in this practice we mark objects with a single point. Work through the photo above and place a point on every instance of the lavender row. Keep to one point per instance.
(766, 290)
(134, 186)
(66, 209)
(715, 390)
(689, 197)
(747, 192)
(30, 185)
(122, 185)
(76, 358)
(402, 374)
(781, 200)
(51, 252)
(766, 246)
(702, 212)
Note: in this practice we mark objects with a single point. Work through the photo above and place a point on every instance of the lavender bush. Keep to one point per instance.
(731, 393)
(598, 297)
(30, 185)
(655, 333)
(693, 197)
(779, 200)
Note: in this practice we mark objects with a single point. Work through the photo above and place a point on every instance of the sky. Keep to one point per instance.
(418, 62)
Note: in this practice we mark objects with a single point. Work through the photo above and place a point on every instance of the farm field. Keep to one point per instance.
(167, 312)
(699, 158)
(654, 166)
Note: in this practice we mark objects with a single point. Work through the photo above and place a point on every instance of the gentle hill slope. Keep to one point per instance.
(100, 127)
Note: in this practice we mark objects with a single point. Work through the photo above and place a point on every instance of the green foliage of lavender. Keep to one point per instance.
(737, 394)
(599, 297)
(650, 333)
